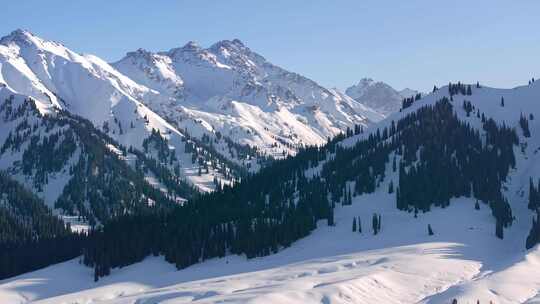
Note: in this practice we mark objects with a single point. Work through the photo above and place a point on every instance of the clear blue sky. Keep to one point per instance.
(413, 43)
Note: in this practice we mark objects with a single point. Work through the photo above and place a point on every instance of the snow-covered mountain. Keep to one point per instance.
(403, 263)
(379, 95)
(227, 101)
(56, 78)
(47, 95)
(67, 121)
(206, 116)
(231, 90)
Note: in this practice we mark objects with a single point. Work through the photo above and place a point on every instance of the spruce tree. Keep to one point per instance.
(330, 219)
(430, 231)
(359, 225)
(499, 232)
(374, 224)
(534, 234)
(354, 224)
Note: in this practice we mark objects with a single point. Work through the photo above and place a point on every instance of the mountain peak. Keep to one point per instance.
(230, 46)
(140, 52)
(238, 42)
(191, 45)
(17, 35)
(235, 43)
(23, 38)
(366, 80)
(378, 95)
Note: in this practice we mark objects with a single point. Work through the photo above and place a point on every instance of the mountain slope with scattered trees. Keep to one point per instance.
(282, 203)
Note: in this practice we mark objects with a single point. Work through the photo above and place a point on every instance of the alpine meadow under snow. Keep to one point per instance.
(369, 196)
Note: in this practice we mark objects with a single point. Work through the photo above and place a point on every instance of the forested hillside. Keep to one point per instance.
(283, 202)
(30, 235)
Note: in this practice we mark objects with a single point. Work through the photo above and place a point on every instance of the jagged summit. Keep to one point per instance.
(225, 91)
(378, 95)
(235, 43)
(17, 34)
(225, 86)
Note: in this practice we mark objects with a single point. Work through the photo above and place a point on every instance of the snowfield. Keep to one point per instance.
(333, 265)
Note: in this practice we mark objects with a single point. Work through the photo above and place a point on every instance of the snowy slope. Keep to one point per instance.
(379, 95)
(228, 88)
(333, 265)
(402, 264)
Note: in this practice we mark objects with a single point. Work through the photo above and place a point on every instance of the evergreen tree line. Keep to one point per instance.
(31, 237)
(449, 151)
(460, 88)
(408, 101)
(280, 204)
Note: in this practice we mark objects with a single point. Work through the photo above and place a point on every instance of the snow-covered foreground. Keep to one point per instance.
(403, 264)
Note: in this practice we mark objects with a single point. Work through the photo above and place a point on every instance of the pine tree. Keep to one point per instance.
(359, 225)
(330, 219)
(534, 234)
(374, 224)
(391, 187)
(534, 196)
(354, 224)
(430, 231)
(499, 232)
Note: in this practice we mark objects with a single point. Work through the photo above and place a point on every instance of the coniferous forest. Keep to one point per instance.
(31, 237)
(258, 216)
(281, 204)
